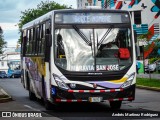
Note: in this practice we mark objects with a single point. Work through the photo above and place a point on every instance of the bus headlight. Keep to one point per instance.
(129, 81)
(60, 82)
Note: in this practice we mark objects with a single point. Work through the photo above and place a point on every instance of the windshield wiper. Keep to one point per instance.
(105, 35)
(82, 35)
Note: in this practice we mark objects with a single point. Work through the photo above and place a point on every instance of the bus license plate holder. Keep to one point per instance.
(95, 99)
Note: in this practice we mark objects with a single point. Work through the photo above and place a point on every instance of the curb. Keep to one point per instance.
(153, 76)
(148, 88)
(5, 99)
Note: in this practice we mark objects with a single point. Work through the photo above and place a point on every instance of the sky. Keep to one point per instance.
(10, 12)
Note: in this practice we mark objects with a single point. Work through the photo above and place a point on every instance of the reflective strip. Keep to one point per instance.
(80, 100)
(95, 91)
(120, 99)
(70, 100)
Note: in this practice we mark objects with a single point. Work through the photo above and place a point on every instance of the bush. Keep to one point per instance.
(152, 60)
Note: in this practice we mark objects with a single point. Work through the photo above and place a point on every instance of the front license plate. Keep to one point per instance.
(95, 99)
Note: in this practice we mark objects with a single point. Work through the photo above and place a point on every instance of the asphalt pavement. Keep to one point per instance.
(144, 103)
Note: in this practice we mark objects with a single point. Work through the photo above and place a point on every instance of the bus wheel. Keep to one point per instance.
(12, 76)
(115, 104)
(31, 94)
(48, 105)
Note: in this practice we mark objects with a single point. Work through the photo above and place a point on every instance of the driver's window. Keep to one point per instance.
(60, 46)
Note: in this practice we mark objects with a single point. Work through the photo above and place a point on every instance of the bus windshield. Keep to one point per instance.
(92, 48)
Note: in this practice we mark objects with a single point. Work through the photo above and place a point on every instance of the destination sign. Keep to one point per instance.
(91, 18)
(98, 67)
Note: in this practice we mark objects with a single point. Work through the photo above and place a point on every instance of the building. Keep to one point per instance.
(145, 16)
(145, 13)
(81, 4)
(10, 60)
(84, 3)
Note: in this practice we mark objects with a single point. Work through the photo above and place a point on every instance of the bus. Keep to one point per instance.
(79, 56)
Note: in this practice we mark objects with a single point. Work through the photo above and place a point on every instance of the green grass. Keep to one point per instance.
(148, 82)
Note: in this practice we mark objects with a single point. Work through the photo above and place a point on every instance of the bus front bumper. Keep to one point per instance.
(126, 94)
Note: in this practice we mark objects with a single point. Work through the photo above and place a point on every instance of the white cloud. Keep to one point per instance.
(10, 12)
(9, 26)
(12, 43)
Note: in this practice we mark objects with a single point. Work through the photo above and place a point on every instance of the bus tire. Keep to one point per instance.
(115, 104)
(48, 105)
(27, 81)
(31, 94)
(12, 76)
(22, 78)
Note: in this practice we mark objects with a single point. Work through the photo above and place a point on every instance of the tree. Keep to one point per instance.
(42, 8)
(149, 45)
(2, 42)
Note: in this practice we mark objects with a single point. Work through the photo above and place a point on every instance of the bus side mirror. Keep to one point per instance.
(135, 36)
(48, 44)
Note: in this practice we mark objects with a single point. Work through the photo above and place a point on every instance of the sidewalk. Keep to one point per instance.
(153, 76)
(4, 97)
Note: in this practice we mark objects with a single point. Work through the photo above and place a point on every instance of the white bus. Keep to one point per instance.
(80, 56)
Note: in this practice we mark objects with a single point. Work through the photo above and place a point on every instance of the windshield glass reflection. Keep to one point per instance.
(92, 49)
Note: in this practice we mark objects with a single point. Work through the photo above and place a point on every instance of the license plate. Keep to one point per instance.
(95, 99)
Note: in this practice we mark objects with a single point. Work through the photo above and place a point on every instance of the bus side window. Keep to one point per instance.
(43, 32)
(43, 38)
(23, 43)
(33, 41)
(47, 38)
(28, 42)
(38, 39)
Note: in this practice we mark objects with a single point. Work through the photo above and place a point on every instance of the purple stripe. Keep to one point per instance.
(108, 85)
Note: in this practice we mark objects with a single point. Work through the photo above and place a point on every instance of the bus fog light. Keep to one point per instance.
(129, 81)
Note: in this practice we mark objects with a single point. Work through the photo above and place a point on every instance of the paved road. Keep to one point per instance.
(146, 101)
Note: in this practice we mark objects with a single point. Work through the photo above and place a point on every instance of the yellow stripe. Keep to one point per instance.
(119, 81)
(40, 64)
